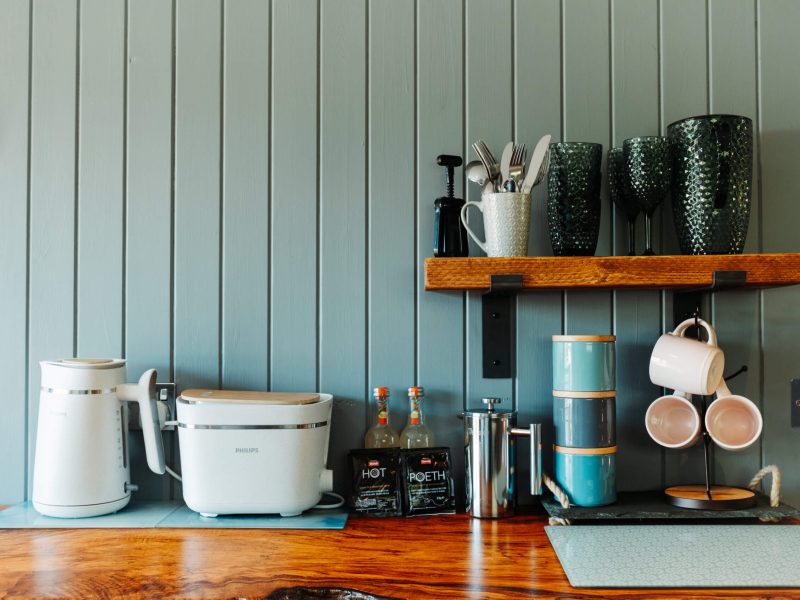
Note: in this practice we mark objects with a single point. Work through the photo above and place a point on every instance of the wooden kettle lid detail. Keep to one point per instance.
(247, 397)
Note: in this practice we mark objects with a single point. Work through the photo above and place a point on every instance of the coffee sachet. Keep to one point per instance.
(376, 482)
(427, 482)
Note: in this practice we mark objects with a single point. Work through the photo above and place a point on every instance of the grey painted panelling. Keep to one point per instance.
(51, 267)
(256, 213)
(440, 114)
(684, 92)
(733, 89)
(634, 112)
(148, 193)
(100, 200)
(197, 193)
(294, 233)
(245, 200)
(585, 31)
(390, 230)
(489, 116)
(780, 139)
(14, 29)
(537, 111)
(343, 198)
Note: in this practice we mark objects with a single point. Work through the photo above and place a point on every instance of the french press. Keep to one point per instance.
(490, 440)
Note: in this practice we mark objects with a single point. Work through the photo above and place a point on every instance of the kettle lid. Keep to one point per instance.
(86, 363)
(246, 397)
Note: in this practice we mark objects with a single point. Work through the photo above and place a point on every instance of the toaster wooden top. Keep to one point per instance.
(244, 397)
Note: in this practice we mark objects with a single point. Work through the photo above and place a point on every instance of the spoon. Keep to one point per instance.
(476, 172)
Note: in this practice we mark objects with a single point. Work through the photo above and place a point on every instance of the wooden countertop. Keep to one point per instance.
(423, 557)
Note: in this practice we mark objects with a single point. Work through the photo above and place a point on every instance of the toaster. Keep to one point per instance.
(253, 452)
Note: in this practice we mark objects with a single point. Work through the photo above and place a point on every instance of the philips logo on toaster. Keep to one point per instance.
(246, 451)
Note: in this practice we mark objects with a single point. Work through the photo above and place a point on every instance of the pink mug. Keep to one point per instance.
(733, 422)
(673, 421)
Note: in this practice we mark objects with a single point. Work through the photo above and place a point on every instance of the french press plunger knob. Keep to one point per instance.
(490, 402)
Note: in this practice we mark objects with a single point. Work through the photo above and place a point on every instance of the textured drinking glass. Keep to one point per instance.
(619, 190)
(573, 197)
(712, 174)
(648, 167)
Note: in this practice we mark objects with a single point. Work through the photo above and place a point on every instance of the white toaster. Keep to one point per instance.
(253, 452)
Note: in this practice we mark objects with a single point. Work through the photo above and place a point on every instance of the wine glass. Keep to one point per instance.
(648, 167)
(619, 190)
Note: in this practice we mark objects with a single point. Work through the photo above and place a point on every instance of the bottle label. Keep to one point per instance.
(415, 417)
(383, 416)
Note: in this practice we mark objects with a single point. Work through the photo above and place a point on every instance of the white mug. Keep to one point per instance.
(506, 216)
(733, 422)
(673, 421)
(681, 363)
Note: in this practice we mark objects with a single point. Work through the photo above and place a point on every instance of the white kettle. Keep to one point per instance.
(81, 467)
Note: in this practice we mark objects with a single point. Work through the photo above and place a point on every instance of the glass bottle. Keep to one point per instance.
(381, 435)
(416, 434)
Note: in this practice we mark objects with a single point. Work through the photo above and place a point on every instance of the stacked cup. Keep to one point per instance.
(584, 415)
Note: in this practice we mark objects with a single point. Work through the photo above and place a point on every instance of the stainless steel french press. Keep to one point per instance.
(490, 440)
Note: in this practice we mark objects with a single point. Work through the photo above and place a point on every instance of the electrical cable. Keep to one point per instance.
(173, 473)
(331, 506)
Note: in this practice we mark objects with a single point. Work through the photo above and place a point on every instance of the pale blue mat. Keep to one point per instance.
(665, 556)
(162, 514)
(135, 515)
(312, 519)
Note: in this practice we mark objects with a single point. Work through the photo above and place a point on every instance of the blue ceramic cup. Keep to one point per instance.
(585, 419)
(584, 363)
(587, 475)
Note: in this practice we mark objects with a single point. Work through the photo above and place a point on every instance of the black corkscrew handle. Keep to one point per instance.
(450, 161)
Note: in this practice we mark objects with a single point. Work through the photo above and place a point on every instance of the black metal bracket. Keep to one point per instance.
(687, 303)
(499, 326)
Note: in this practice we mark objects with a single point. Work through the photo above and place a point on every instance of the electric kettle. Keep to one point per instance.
(81, 466)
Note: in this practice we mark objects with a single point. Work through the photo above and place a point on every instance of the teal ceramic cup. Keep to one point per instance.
(587, 475)
(584, 363)
(585, 419)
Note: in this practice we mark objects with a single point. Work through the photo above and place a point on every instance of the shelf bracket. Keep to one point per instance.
(687, 303)
(499, 326)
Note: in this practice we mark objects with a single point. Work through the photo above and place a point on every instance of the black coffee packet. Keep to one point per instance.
(376, 482)
(427, 482)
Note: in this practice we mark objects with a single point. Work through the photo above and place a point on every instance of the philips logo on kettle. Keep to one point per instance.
(246, 451)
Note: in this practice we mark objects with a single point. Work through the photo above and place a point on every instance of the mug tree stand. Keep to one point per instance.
(707, 496)
(710, 497)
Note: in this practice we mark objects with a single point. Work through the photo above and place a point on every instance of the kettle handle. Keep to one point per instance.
(144, 393)
(534, 432)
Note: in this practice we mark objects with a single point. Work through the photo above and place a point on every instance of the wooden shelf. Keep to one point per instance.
(611, 272)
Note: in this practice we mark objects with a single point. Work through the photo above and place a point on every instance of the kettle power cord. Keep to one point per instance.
(331, 506)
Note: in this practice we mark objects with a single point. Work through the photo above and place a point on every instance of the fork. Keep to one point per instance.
(516, 168)
(488, 160)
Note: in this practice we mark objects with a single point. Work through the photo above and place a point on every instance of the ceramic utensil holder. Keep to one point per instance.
(506, 217)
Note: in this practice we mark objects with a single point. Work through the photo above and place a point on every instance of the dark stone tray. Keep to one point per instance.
(651, 507)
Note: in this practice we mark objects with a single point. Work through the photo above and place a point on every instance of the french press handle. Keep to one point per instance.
(534, 431)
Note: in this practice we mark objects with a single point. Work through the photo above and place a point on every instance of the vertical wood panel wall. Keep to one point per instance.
(240, 194)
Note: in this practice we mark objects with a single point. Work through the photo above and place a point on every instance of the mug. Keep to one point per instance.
(585, 419)
(733, 422)
(681, 363)
(584, 363)
(673, 421)
(506, 216)
(587, 475)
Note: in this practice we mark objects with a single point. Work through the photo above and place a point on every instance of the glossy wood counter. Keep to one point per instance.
(426, 557)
